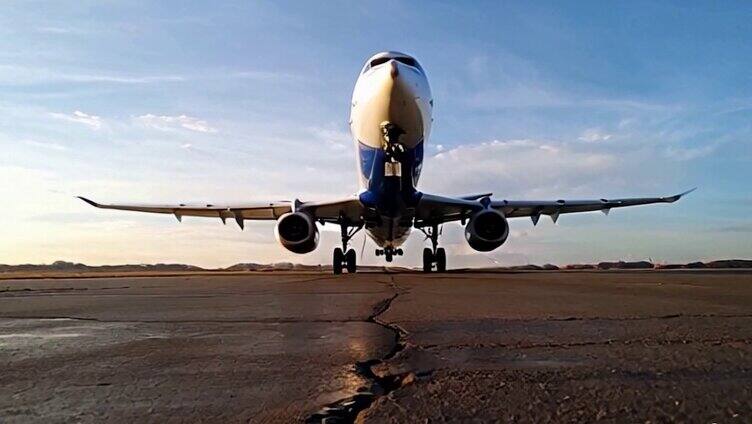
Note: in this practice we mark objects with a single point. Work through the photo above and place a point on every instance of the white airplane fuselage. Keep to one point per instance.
(390, 120)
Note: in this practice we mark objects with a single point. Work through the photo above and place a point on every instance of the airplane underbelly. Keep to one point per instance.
(388, 235)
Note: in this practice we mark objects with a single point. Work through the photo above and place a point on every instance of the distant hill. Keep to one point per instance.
(62, 268)
(79, 267)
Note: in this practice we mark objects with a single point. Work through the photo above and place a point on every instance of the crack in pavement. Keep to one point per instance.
(347, 410)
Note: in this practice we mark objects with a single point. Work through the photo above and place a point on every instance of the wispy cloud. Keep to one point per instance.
(60, 30)
(519, 168)
(21, 75)
(593, 135)
(335, 138)
(265, 75)
(92, 121)
(45, 145)
(739, 228)
(171, 123)
(689, 153)
(28, 75)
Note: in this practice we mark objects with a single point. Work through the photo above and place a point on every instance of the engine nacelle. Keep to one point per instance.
(487, 230)
(297, 232)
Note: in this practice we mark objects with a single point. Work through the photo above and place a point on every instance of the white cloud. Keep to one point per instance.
(336, 139)
(265, 75)
(689, 153)
(93, 121)
(171, 123)
(44, 145)
(593, 135)
(26, 75)
(60, 30)
(520, 168)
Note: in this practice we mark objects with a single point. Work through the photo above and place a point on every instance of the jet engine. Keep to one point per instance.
(487, 230)
(297, 232)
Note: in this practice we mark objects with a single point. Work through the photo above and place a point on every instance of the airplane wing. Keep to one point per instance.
(323, 211)
(433, 210)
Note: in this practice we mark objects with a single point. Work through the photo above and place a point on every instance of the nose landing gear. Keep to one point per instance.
(393, 149)
(433, 256)
(389, 253)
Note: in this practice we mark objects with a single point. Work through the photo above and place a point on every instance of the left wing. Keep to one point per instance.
(433, 210)
(349, 208)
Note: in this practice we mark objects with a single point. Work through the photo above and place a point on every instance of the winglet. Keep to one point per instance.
(91, 202)
(674, 198)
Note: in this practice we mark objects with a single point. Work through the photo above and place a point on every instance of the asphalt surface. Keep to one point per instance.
(541, 346)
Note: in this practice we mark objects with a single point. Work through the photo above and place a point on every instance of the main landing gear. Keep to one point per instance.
(343, 257)
(433, 256)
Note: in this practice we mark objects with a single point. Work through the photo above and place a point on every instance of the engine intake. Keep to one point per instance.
(487, 230)
(297, 232)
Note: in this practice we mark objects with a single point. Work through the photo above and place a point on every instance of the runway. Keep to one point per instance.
(401, 347)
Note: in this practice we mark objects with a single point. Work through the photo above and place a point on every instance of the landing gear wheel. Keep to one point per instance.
(427, 260)
(337, 261)
(350, 260)
(440, 259)
(388, 255)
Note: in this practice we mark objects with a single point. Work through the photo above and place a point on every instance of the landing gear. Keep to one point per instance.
(427, 259)
(343, 257)
(350, 260)
(389, 253)
(440, 259)
(393, 149)
(337, 261)
(433, 256)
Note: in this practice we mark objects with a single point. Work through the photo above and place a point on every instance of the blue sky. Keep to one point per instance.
(180, 101)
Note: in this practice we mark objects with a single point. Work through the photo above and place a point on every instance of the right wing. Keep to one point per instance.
(350, 209)
(535, 208)
(434, 210)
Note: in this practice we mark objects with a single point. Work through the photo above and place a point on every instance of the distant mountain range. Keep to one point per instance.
(76, 268)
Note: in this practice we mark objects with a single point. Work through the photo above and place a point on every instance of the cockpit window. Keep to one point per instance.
(409, 61)
(379, 61)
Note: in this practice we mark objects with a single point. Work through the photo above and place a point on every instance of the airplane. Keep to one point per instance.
(390, 121)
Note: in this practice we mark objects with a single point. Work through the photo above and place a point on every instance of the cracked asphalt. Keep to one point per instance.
(458, 347)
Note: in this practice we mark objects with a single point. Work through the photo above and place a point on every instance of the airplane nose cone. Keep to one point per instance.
(394, 70)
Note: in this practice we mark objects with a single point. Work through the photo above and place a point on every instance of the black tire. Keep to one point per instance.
(440, 260)
(388, 255)
(350, 259)
(337, 261)
(427, 260)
